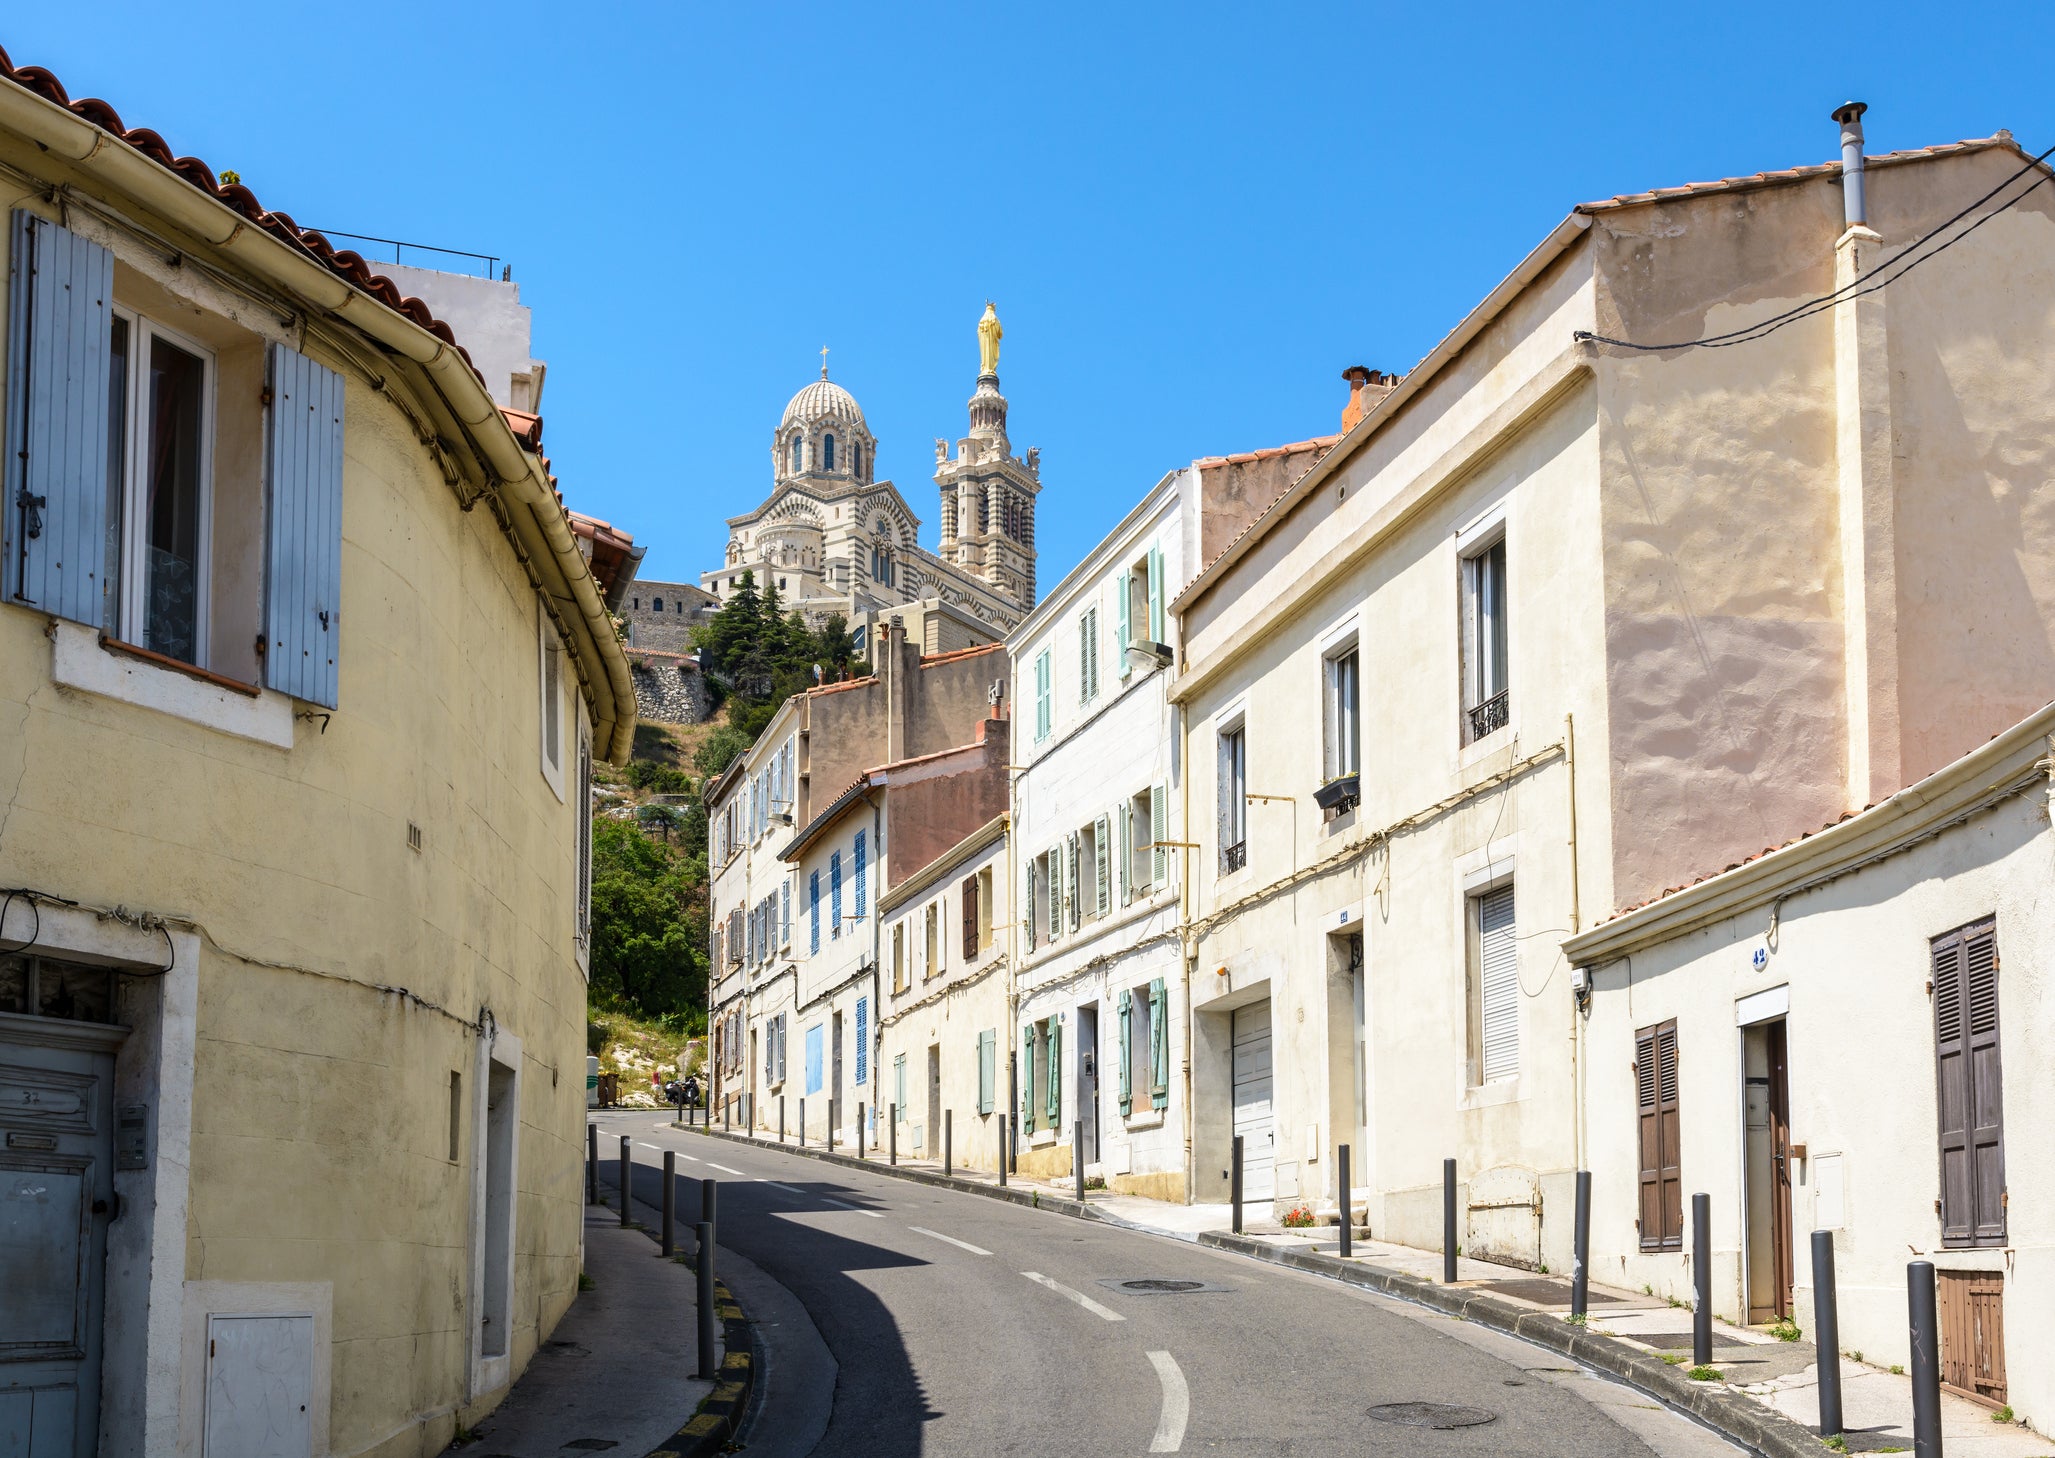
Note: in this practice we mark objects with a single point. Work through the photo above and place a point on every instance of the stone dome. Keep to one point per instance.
(822, 400)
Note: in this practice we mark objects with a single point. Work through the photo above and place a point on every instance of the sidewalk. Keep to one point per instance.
(615, 1375)
(1777, 1380)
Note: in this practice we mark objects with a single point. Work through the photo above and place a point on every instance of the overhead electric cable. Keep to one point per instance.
(1896, 267)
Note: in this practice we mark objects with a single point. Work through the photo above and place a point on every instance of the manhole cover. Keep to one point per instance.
(592, 1445)
(1431, 1415)
(1157, 1283)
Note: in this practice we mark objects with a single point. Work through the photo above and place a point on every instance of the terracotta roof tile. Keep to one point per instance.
(1791, 174)
(345, 263)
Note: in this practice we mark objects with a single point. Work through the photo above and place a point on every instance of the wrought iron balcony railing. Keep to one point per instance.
(1490, 716)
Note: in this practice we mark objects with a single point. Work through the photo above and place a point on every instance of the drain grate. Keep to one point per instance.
(1431, 1415)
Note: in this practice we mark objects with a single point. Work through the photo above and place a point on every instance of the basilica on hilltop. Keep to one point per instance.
(834, 539)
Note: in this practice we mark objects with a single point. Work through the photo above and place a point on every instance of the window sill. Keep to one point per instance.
(1140, 1123)
(81, 659)
(1490, 744)
(1488, 1095)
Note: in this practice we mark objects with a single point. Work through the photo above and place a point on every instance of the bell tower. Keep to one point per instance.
(988, 494)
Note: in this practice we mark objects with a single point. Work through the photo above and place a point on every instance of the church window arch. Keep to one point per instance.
(828, 452)
(659, 604)
(795, 453)
(856, 459)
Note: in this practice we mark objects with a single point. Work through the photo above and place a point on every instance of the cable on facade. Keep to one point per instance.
(1897, 267)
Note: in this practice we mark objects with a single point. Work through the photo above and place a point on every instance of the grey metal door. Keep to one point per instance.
(56, 1195)
(1088, 1077)
(934, 1142)
(1252, 1119)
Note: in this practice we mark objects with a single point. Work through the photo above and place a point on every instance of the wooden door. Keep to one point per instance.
(1780, 1166)
(1972, 1307)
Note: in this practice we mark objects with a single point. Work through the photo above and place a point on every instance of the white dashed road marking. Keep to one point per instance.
(647, 1145)
(1078, 1296)
(1177, 1404)
(776, 1186)
(725, 1170)
(841, 1205)
(949, 1240)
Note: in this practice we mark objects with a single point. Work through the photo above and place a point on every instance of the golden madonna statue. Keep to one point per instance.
(989, 334)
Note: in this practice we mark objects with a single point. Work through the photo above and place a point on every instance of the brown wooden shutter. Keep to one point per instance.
(1968, 1087)
(1656, 1113)
(970, 918)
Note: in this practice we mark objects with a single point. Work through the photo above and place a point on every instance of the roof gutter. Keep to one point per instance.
(523, 482)
(1474, 323)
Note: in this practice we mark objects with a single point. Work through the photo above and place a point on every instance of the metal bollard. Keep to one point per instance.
(1234, 1184)
(832, 1112)
(709, 1203)
(727, 1115)
(859, 1128)
(1002, 1151)
(781, 1118)
(1341, 1179)
(948, 1145)
(592, 1164)
(1701, 1280)
(1926, 1359)
(1580, 1249)
(627, 1167)
(892, 1131)
(708, 1367)
(670, 1202)
(1077, 1156)
(802, 1123)
(1448, 1222)
(1826, 1333)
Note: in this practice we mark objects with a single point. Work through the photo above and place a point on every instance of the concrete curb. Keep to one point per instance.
(714, 1426)
(1744, 1420)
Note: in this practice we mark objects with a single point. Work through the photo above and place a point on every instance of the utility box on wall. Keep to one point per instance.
(260, 1385)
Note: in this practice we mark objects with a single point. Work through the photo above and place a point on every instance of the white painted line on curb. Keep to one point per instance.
(1177, 1404)
(1078, 1296)
(725, 1170)
(949, 1239)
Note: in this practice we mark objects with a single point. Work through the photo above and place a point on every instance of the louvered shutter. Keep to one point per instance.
(1159, 1047)
(969, 898)
(1127, 1057)
(785, 913)
(1659, 1126)
(1126, 627)
(863, 1039)
(1027, 920)
(1073, 878)
(1055, 1075)
(1027, 1079)
(1156, 628)
(1056, 891)
(1102, 891)
(59, 347)
(1043, 718)
(813, 896)
(1124, 863)
(1159, 831)
(835, 894)
(1092, 650)
(303, 461)
(860, 857)
(1084, 658)
(1498, 985)
(986, 1044)
(1965, 970)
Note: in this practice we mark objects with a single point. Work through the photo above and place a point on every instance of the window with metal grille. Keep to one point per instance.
(1487, 702)
(1969, 1093)
(1232, 809)
(1657, 1128)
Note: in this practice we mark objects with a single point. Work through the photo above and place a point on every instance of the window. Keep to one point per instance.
(856, 459)
(813, 900)
(784, 912)
(1148, 818)
(988, 1070)
(1088, 655)
(659, 604)
(985, 906)
(1144, 1046)
(1486, 695)
(1042, 701)
(1232, 811)
(863, 1040)
(1093, 869)
(1970, 1103)
(583, 821)
(899, 981)
(794, 454)
(1139, 596)
(860, 850)
(160, 411)
(835, 894)
(551, 694)
(899, 1084)
(1341, 715)
(931, 940)
(456, 1113)
(1073, 900)
(881, 566)
(1494, 987)
(972, 921)
(1662, 1183)
(827, 452)
(774, 1050)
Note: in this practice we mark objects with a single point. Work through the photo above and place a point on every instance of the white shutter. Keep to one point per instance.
(1498, 985)
(1075, 886)
(1102, 842)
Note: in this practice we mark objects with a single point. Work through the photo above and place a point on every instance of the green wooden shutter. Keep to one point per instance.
(1159, 1048)
(1127, 1021)
(1074, 894)
(1043, 717)
(1156, 633)
(1027, 1079)
(1124, 866)
(1159, 831)
(1027, 920)
(985, 1050)
(1126, 626)
(1055, 1075)
(1102, 897)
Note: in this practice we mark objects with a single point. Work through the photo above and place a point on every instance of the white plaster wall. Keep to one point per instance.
(1854, 956)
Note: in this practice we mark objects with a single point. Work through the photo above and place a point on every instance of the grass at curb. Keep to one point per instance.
(1747, 1422)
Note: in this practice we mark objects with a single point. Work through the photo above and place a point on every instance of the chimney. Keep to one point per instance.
(1849, 114)
(1366, 388)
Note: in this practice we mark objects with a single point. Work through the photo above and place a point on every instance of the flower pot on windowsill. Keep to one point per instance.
(1339, 794)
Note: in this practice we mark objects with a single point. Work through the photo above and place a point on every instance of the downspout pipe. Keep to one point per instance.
(1855, 213)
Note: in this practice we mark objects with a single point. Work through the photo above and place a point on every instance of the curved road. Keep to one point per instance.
(897, 1318)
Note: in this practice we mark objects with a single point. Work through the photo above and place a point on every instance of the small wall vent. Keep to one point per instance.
(413, 836)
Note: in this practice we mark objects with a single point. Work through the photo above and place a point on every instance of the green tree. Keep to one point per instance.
(648, 922)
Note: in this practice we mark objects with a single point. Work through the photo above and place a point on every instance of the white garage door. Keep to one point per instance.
(1252, 1101)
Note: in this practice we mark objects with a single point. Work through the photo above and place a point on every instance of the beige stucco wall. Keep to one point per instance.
(1853, 958)
(320, 1100)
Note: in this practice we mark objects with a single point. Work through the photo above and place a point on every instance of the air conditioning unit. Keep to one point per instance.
(1143, 654)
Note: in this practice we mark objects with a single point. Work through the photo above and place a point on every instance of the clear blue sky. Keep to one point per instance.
(1192, 217)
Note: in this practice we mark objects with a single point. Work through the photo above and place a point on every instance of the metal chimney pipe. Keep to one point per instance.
(1849, 114)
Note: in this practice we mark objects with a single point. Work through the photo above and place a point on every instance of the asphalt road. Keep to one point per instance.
(897, 1318)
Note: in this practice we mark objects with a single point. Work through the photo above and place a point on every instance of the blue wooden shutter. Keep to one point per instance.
(1127, 1027)
(814, 898)
(59, 338)
(303, 468)
(835, 895)
(1027, 1079)
(1159, 1048)
(859, 874)
(863, 1039)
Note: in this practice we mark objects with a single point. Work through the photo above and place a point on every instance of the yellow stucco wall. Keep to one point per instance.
(321, 1108)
